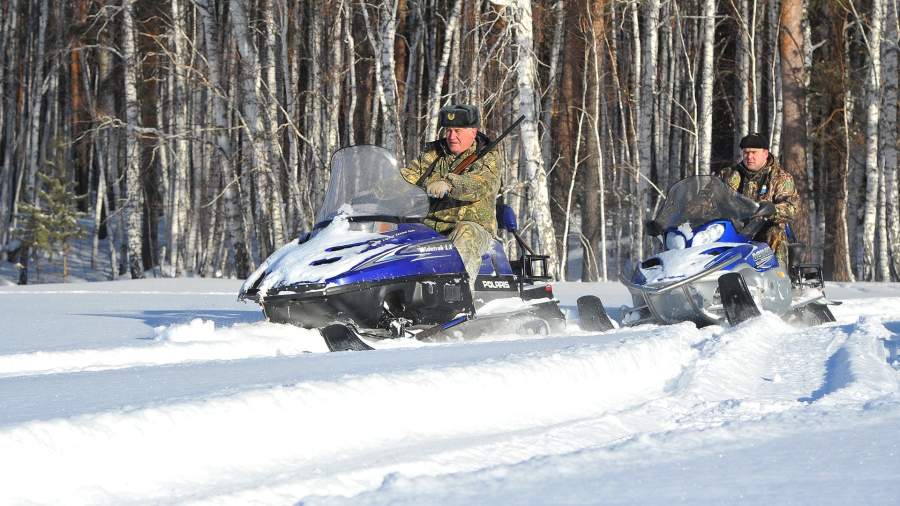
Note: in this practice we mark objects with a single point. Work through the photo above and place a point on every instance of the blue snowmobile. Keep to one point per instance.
(370, 270)
(710, 270)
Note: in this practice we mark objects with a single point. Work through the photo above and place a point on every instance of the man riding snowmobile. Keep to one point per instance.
(760, 177)
(462, 204)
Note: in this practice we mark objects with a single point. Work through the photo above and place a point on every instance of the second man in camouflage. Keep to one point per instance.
(760, 177)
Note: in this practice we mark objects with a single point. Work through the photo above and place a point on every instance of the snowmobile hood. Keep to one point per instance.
(346, 252)
(332, 250)
(674, 265)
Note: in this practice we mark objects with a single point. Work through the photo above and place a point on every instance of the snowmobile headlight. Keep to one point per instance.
(675, 240)
(373, 227)
(709, 235)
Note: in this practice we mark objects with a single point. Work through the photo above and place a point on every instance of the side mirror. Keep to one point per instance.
(765, 210)
(506, 218)
(652, 228)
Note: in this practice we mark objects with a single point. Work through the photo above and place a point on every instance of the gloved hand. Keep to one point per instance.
(438, 189)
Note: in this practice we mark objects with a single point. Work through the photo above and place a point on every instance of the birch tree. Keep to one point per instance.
(704, 141)
(534, 163)
(269, 216)
(435, 98)
(866, 267)
(237, 232)
(134, 201)
(178, 195)
(889, 140)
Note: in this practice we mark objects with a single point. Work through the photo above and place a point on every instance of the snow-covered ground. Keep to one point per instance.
(169, 391)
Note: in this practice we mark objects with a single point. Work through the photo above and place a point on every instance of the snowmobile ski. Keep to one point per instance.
(815, 314)
(593, 314)
(736, 298)
(341, 337)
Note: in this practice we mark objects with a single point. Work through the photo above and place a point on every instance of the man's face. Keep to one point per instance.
(460, 139)
(755, 158)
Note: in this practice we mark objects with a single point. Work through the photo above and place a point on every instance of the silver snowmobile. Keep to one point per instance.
(710, 270)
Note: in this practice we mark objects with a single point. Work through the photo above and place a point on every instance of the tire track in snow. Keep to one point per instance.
(196, 341)
(730, 384)
(193, 450)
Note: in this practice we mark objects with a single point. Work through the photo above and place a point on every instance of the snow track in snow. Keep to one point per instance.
(214, 411)
(349, 434)
(196, 341)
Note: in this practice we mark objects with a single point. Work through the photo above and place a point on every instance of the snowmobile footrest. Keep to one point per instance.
(736, 298)
(428, 333)
(593, 315)
(340, 337)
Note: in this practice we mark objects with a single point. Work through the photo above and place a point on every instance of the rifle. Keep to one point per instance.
(469, 160)
(474, 157)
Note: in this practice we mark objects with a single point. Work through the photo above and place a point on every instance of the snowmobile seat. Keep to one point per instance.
(506, 218)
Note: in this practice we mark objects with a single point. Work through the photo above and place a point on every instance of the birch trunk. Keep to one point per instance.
(883, 271)
(291, 73)
(273, 158)
(224, 153)
(844, 211)
(350, 44)
(662, 124)
(742, 74)
(549, 102)
(134, 203)
(9, 54)
(704, 141)
(650, 48)
(267, 216)
(816, 187)
(534, 162)
(333, 91)
(889, 139)
(178, 173)
(274, 155)
(873, 111)
(777, 103)
(33, 143)
(393, 136)
(435, 98)
(594, 208)
(649, 44)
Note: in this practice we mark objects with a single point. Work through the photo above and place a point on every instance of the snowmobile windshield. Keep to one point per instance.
(700, 199)
(366, 184)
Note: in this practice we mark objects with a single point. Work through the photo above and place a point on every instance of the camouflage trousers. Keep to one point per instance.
(776, 237)
(472, 241)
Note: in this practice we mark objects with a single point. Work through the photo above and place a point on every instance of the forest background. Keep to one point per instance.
(195, 135)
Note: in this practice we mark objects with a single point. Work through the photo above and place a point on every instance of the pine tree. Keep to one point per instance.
(51, 226)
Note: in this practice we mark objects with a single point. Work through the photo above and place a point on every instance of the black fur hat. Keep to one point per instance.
(754, 141)
(458, 115)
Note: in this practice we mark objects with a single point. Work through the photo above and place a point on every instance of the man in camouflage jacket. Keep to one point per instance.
(760, 177)
(462, 205)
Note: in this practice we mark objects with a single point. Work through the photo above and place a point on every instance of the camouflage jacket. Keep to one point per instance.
(473, 193)
(770, 184)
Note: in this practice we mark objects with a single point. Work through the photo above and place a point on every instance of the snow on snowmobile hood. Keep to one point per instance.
(314, 260)
(365, 189)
